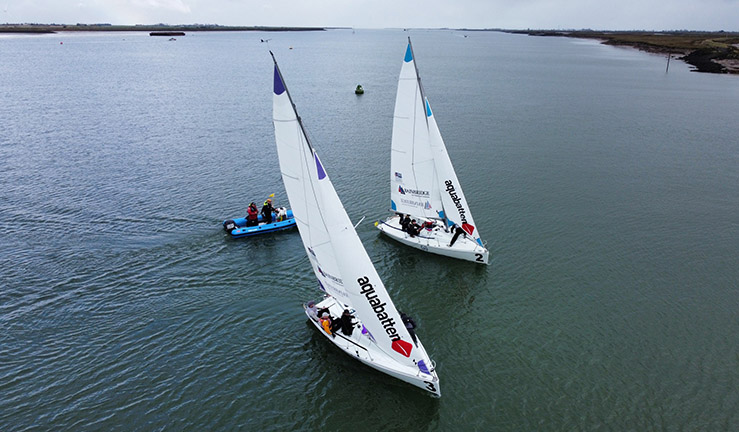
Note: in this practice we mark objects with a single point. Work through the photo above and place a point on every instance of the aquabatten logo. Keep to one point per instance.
(468, 228)
(388, 323)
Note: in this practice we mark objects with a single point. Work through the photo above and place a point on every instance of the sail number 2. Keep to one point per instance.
(478, 257)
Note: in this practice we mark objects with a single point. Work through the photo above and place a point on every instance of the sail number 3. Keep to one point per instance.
(430, 386)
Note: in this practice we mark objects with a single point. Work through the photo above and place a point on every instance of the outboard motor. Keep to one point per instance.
(229, 225)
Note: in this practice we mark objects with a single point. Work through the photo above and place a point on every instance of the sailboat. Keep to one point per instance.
(423, 183)
(345, 273)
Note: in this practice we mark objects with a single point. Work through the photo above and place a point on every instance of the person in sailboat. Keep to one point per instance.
(405, 222)
(457, 232)
(428, 225)
(347, 326)
(252, 215)
(312, 310)
(410, 325)
(414, 228)
(267, 210)
(325, 321)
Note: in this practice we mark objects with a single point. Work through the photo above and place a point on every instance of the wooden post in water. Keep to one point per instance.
(668, 62)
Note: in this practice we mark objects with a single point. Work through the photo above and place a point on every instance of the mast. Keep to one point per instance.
(426, 109)
(418, 79)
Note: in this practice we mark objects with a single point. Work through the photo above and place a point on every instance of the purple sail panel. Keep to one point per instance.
(279, 85)
(319, 167)
(367, 333)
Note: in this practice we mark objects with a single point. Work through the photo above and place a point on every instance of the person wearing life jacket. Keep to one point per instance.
(252, 215)
(267, 210)
(325, 321)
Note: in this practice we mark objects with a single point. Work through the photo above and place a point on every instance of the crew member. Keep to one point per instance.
(457, 231)
(347, 326)
(404, 222)
(410, 325)
(267, 210)
(414, 228)
(252, 215)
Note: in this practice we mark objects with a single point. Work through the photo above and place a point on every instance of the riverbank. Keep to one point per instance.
(711, 52)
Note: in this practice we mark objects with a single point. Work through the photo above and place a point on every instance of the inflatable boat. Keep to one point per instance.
(237, 227)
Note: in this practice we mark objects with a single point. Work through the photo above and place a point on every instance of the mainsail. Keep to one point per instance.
(423, 182)
(339, 260)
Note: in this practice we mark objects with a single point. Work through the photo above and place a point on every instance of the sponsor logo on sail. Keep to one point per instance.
(378, 307)
(469, 229)
(330, 276)
(398, 176)
(426, 205)
(416, 192)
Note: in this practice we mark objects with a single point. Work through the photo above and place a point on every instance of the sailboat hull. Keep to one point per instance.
(436, 241)
(360, 346)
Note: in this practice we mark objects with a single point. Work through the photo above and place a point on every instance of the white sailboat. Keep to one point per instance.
(423, 183)
(343, 269)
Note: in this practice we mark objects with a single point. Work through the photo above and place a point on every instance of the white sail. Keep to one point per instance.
(422, 179)
(455, 205)
(339, 259)
(413, 183)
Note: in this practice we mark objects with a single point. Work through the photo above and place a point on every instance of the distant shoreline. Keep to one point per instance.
(54, 28)
(710, 52)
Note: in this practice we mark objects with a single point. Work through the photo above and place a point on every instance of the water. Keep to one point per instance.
(606, 189)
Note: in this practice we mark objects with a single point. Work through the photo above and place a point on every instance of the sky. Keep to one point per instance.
(710, 15)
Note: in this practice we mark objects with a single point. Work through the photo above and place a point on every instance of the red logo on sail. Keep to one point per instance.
(469, 229)
(402, 347)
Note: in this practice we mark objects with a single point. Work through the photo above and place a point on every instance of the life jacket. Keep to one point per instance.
(267, 208)
(252, 213)
(326, 324)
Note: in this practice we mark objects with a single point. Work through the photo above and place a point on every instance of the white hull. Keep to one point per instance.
(361, 347)
(436, 241)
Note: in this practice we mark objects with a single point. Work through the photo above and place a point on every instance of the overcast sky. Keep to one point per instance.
(509, 14)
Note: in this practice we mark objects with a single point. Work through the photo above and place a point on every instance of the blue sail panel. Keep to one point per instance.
(279, 85)
(319, 167)
(408, 54)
